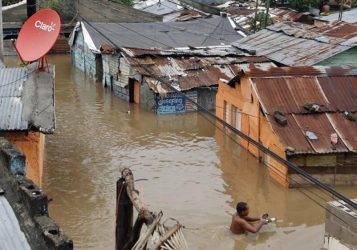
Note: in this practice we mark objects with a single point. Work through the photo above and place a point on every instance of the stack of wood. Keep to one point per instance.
(157, 235)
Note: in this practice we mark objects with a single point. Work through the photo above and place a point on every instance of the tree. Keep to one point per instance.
(259, 23)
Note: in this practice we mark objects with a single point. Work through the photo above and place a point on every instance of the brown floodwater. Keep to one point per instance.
(195, 173)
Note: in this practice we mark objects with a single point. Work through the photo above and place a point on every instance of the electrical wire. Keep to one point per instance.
(283, 175)
(244, 136)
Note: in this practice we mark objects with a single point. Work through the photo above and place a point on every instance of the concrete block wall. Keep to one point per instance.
(341, 223)
(29, 202)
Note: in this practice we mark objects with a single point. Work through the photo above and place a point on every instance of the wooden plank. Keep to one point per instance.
(124, 216)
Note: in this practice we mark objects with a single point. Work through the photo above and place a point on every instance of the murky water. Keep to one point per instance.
(194, 172)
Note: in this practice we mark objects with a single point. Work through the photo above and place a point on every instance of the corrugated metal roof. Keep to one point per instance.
(321, 126)
(346, 129)
(289, 93)
(11, 236)
(296, 44)
(26, 100)
(189, 71)
(160, 8)
(201, 32)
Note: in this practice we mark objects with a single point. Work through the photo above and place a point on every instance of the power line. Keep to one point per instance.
(281, 174)
(244, 136)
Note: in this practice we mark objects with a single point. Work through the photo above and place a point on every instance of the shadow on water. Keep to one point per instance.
(194, 175)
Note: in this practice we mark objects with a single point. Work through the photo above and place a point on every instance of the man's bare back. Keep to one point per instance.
(241, 222)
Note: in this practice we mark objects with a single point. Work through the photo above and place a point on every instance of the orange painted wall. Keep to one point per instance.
(136, 92)
(254, 124)
(32, 145)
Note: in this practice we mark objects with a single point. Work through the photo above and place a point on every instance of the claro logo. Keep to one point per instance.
(46, 27)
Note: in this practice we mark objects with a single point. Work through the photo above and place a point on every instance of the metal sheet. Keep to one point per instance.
(289, 95)
(320, 125)
(11, 236)
(201, 32)
(11, 107)
(191, 71)
(293, 44)
(27, 99)
(346, 130)
(291, 135)
(341, 92)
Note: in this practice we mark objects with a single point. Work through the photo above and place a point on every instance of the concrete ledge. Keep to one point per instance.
(341, 222)
(34, 199)
(29, 203)
(54, 236)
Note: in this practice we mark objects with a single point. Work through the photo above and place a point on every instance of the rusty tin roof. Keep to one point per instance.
(333, 89)
(188, 69)
(296, 44)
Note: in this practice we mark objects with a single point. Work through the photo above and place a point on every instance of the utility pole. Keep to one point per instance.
(1, 35)
(267, 13)
(341, 11)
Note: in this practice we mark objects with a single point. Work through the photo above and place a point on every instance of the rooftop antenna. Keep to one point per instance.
(37, 36)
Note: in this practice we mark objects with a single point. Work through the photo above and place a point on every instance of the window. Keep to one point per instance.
(236, 117)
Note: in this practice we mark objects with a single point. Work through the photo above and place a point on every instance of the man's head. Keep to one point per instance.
(242, 209)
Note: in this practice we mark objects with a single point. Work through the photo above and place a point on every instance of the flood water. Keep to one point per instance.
(194, 173)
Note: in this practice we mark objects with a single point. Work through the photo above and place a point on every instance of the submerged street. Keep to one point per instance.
(191, 171)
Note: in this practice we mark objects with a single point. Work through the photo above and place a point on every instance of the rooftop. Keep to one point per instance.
(349, 16)
(201, 32)
(288, 91)
(27, 99)
(11, 235)
(296, 44)
(187, 69)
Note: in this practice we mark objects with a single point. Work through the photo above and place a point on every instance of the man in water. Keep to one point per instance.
(241, 222)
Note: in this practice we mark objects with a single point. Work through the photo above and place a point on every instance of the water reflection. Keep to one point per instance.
(196, 174)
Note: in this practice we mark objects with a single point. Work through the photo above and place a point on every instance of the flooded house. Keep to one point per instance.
(27, 113)
(306, 115)
(296, 44)
(96, 48)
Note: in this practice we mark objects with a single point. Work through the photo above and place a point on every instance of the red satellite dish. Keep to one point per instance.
(38, 35)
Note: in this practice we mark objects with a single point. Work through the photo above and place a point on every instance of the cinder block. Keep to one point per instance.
(53, 235)
(34, 199)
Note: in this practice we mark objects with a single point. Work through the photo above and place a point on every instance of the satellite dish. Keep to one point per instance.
(38, 35)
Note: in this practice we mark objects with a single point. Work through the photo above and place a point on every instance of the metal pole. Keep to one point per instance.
(1, 36)
(341, 11)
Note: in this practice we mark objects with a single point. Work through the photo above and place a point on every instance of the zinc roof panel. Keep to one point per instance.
(321, 126)
(346, 130)
(274, 95)
(341, 92)
(291, 135)
(11, 236)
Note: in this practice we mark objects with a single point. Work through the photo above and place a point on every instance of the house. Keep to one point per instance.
(27, 113)
(88, 41)
(167, 9)
(195, 72)
(348, 16)
(295, 44)
(306, 115)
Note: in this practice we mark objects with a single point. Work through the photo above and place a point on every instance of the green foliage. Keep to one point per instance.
(259, 23)
(56, 5)
(303, 5)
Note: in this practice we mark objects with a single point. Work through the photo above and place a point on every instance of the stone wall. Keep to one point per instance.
(341, 223)
(29, 202)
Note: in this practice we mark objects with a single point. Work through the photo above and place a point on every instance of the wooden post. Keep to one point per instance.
(124, 216)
